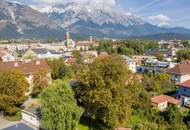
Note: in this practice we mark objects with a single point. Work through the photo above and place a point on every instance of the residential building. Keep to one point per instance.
(131, 63)
(163, 101)
(184, 93)
(6, 57)
(47, 54)
(29, 69)
(180, 72)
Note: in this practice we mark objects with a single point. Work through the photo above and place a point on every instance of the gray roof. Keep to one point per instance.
(44, 51)
(20, 126)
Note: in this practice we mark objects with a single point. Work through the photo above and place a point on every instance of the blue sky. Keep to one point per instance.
(158, 12)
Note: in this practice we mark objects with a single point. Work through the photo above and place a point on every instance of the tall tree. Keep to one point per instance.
(13, 89)
(103, 93)
(59, 108)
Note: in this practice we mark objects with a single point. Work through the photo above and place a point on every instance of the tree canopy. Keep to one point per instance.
(59, 108)
(104, 91)
(40, 81)
(59, 69)
(13, 89)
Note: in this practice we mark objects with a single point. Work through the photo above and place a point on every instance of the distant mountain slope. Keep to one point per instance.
(82, 20)
(103, 21)
(165, 36)
(20, 21)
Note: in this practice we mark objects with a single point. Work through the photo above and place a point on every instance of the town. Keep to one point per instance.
(94, 65)
(149, 79)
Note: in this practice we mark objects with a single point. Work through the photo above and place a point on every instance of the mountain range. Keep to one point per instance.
(82, 20)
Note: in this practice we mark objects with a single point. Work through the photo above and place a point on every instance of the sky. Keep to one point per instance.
(166, 13)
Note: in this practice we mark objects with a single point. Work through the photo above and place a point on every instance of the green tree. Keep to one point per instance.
(183, 55)
(40, 81)
(13, 89)
(59, 108)
(59, 69)
(103, 86)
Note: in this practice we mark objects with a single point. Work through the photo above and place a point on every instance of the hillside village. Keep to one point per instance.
(158, 72)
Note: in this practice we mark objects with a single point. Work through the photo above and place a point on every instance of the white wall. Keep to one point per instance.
(162, 106)
(32, 119)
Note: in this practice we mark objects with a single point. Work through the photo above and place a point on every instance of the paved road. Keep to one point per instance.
(5, 123)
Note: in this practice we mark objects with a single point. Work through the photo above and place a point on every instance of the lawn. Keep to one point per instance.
(83, 127)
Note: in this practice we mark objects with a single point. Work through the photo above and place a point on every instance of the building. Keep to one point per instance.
(180, 72)
(6, 57)
(29, 69)
(47, 54)
(32, 116)
(131, 63)
(140, 59)
(163, 101)
(184, 93)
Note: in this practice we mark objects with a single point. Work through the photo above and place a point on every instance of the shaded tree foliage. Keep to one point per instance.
(40, 81)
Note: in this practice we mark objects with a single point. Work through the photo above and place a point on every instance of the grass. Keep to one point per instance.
(15, 117)
(83, 127)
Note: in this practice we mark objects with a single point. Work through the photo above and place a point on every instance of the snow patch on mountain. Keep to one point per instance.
(70, 13)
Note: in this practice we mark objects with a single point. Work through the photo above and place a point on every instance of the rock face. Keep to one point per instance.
(101, 20)
(21, 21)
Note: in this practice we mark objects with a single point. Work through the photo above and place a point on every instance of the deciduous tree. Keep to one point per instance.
(59, 108)
(13, 89)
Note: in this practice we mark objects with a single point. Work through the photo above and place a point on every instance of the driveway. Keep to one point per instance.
(5, 123)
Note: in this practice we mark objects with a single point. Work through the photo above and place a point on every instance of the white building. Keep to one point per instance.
(131, 63)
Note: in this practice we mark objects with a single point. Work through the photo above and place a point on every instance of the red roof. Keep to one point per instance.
(26, 68)
(185, 84)
(180, 69)
(164, 98)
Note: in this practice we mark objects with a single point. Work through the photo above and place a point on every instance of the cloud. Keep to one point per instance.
(111, 2)
(161, 20)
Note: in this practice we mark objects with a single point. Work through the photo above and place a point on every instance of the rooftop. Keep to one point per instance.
(25, 67)
(164, 98)
(180, 69)
(185, 84)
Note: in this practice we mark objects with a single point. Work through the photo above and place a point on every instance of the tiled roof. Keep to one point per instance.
(180, 69)
(185, 84)
(26, 68)
(164, 98)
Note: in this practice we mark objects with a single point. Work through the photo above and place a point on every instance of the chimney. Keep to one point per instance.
(15, 64)
(38, 62)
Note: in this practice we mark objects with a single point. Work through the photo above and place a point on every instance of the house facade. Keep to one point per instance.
(131, 63)
(184, 93)
(163, 101)
(180, 73)
(6, 57)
